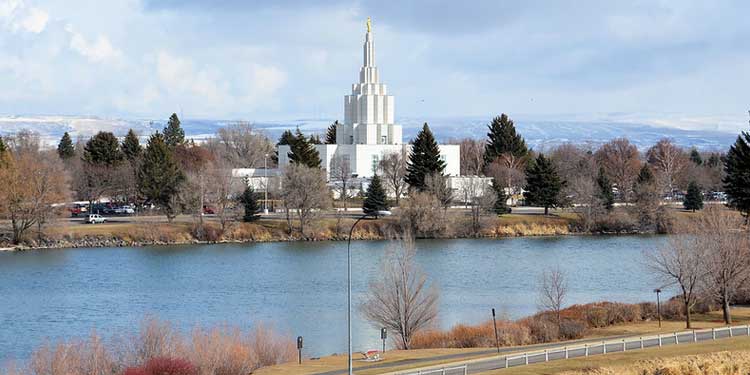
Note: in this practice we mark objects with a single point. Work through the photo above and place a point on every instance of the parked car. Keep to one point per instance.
(78, 209)
(95, 219)
(124, 210)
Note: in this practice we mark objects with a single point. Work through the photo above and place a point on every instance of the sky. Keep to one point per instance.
(269, 59)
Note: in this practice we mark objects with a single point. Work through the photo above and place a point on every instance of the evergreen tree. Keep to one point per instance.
(250, 204)
(331, 133)
(695, 157)
(315, 139)
(303, 152)
(737, 178)
(646, 197)
(131, 146)
(501, 199)
(694, 198)
(159, 177)
(503, 139)
(103, 149)
(173, 133)
(65, 148)
(287, 138)
(606, 196)
(714, 160)
(3, 147)
(543, 184)
(424, 159)
(375, 198)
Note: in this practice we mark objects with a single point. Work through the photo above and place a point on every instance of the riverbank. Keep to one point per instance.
(155, 231)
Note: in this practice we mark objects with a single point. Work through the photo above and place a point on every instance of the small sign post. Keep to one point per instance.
(299, 348)
(383, 336)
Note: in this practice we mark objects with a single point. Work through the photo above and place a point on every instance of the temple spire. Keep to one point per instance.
(369, 47)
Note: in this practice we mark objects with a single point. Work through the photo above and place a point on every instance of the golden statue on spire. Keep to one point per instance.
(369, 24)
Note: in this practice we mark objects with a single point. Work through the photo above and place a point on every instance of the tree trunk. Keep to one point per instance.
(546, 210)
(725, 308)
(688, 324)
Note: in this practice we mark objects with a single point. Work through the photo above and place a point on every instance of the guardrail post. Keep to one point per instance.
(604, 347)
(526, 358)
(713, 333)
(546, 355)
(624, 345)
(506, 362)
(443, 372)
(466, 369)
(676, 339)
(566, 352)
(695, 336)
(659, 336)
(586, 350)
(641, 342)
(747, 326)
(730, 331)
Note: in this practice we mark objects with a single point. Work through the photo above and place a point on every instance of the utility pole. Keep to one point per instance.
(658, 305)
(265, 179)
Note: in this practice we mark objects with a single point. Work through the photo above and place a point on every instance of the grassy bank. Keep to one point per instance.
(155, 230)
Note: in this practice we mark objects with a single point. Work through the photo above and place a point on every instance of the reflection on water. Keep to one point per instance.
(298, 287)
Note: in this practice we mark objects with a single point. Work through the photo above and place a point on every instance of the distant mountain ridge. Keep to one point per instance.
(539, 134)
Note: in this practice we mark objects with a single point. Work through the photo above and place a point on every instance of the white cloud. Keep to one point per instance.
(17, 16)
(95, 51)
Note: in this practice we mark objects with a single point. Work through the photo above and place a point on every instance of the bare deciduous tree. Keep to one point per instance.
(726, 254)
(241, 145)
(509, 171)
(553, 290)
(481, 198)
(422, 214)
(400, 299)
(620, 160)
(472, 155)
(304, 192)
(341, 178)
(32, 181)
(393, 168)
(680, 262)
(223, 189)
(668, 161)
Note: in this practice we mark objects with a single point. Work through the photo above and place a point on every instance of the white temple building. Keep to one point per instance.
(369, 131)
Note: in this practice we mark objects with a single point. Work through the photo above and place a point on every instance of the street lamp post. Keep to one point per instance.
(349, 279)
(265, 179)
(658, 305)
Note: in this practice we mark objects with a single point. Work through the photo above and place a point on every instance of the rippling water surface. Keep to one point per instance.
(298, 287)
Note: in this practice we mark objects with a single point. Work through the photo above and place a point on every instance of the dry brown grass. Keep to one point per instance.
(722, 363)
(217, 351)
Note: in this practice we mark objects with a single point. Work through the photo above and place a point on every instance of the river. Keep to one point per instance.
(298, 287)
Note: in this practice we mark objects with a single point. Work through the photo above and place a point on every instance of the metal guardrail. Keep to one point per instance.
(583, 350)
(462, 370)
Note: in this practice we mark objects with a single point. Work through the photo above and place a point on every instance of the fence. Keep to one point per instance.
(587, 349)
(458, 370)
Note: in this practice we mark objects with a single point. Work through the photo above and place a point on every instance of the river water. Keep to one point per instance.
(299, 287)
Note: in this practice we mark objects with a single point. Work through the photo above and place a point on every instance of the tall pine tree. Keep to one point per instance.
(737, 178)
(424, 159)
(543, 184)
(302, 151)
(375, 198)
(173, 133)
(331, 133)
(65, 148)
(503, 139)
(250, 204)
(160, 177)
(695, 157)
(694, 198)
(286, 138)
(131, 146)
(605, 194)
(3, 147)
(103, 149)
(501, 199)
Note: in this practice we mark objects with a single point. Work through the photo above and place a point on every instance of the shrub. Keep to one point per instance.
(542, 329)
(572, 329)
(169, 366)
